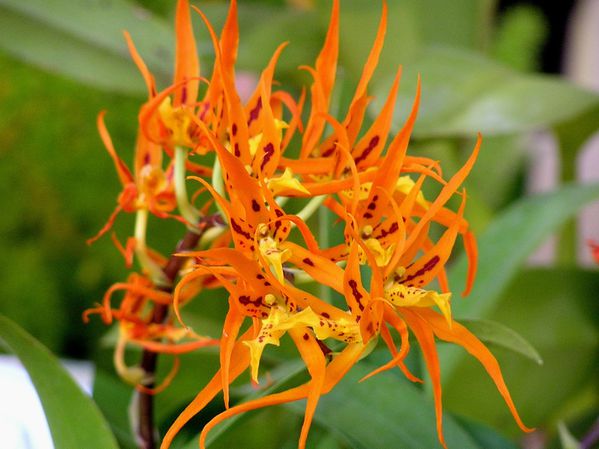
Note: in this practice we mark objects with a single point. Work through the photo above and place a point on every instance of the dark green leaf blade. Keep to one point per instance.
(510, 238)
(74, 419)
(385, 411)
(464, 93)
(59, 53)
(84, 40)
(497, 334)
(554, 309)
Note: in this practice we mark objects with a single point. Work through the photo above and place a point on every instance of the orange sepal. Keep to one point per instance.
(187, 64)
(459, 335)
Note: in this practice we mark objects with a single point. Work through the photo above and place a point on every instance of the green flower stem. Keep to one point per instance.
(141, 252)
(324, 222)
(219, 185)
(311, 207)
(187, 211)
(212, 233)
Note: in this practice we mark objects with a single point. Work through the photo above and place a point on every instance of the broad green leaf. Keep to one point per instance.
(496, 177)
(555, 310)
(497, 334)
(286, 374)
(113, 397)
(486, 437)
(504, 246)
(461, 23)
(359, 22)
(57, 52)
(509, 239)
(84, 40)
(74, 419)
(572, 135)
(385, 411)
(302, 29)
(464, 93)
(412, 26)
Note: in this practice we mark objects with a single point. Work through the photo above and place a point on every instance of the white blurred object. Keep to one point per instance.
(581, 61)
(543, 173)
(22, 421)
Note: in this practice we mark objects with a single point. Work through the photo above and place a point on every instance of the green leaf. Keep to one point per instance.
(460, 23)
(84, 40)
(385, 411)
(464, 93)
(113, 397)
(555, 310)
(486, 437)
(509, 239)
(74, 419)
(302, 29)
(500, 335)
(503, 247)
(413, 25)
(286, 375)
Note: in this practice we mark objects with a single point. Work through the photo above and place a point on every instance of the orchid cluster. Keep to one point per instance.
(246, 159)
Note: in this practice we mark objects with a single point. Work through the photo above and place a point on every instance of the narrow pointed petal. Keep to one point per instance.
(324, 80)
(448, 190)
(187, 64)
(141, 65)
(472, 253)
(231, 327)
(334, 373)
(240, 361)
(370, 146)
(315, 362)
(425, 269)
(373, 57)
(355, 294)
(122, 170)
(320, 268)
(390, 169)
(459, 335)
(426, 340)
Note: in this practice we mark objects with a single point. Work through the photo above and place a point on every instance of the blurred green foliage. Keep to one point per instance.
(58, 187)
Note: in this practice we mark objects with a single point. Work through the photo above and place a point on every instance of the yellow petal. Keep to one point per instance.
(382, 255)
(405, 184)
(177, 120)
(403, 296)
(286, 183)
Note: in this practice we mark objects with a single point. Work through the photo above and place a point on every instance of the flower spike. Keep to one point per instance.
(245, 240)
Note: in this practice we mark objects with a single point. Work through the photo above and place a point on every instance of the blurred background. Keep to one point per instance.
(523, 73)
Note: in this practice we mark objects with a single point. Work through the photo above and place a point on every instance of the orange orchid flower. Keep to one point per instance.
(364, 176)
(137, 328)
(150, 188)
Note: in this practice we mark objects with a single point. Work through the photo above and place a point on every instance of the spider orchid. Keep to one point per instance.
(364, 176)
(150, 188)
(399, 301)
(136, 326)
